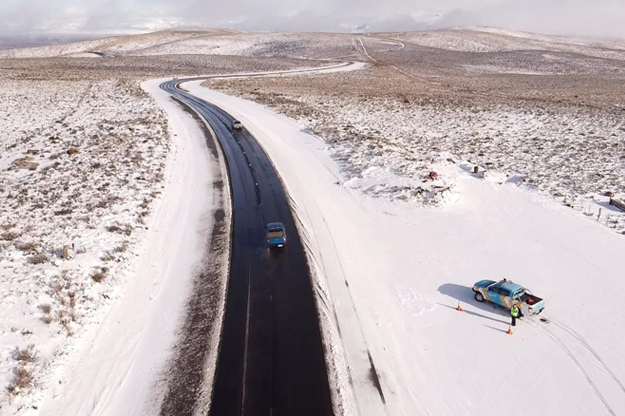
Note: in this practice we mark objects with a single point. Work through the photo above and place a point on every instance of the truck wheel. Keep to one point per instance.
(479, 297)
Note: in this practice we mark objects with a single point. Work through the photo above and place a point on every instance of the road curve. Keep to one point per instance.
(271, 358)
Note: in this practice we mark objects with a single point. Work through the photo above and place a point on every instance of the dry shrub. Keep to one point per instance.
(107, 256)
(7, 226)
(22, 379)
(126, 229)
(113, 229)
(56, 290)
(28, 354)
(9, 236)
(45, 308)
(72, 306)
(99, 275)
(145, 204)
(25, 162)
(39, 258)
(64, 319)
(28, 247)
(121, 248)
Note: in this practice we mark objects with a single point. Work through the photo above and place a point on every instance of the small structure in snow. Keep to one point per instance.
(620, 204)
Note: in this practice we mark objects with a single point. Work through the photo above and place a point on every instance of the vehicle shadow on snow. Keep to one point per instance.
(476, 314)
(464, 295)
(496, 329)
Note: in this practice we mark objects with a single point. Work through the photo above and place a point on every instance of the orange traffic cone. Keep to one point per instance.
(509, 330)
(459, 308)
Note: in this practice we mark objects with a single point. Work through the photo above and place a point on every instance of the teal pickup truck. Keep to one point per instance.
(506, 293)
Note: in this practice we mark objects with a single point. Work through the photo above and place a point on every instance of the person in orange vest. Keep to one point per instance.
(515, 312)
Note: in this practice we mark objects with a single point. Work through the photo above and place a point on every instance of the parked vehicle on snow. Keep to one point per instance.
(506, 293)
(236, 125)
(276, 236)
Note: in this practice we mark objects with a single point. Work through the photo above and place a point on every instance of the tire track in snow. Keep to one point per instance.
(592, 351)
(574, 359)
(362, 50)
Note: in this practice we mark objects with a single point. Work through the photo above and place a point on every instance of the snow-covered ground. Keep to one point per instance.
(96, 250)
(391, 126)
(388, 148)
(394, 274)
(120, 366)
(80, 168)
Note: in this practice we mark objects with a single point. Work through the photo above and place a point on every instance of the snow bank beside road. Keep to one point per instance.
(395, 274)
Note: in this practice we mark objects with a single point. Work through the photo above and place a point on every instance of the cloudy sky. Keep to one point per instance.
(602, 18)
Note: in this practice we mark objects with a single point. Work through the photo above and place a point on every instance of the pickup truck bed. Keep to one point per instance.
(530, 299)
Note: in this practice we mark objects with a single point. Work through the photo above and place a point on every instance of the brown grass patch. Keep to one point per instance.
(25, 162)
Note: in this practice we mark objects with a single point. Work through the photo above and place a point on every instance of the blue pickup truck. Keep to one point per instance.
(506, 293)
(276, 235)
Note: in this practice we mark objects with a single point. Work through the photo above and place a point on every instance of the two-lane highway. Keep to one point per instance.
(271, 358)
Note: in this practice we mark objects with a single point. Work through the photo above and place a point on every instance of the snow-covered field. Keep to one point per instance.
(388, 139)
(81, 165)
(573, 153)
(393, 274)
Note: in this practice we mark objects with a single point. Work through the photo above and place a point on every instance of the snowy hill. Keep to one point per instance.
(311, 45)
(497, 40)
(207, 42)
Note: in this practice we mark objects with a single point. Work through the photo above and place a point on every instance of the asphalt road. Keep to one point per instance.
(271, 357)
